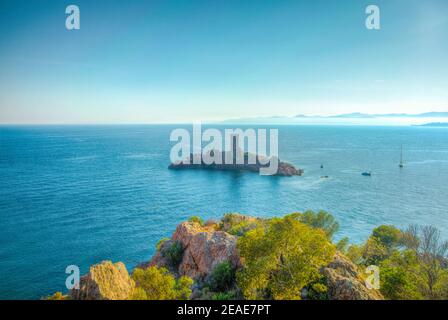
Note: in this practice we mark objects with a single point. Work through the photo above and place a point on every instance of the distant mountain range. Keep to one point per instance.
(435, 124)
(354, 115)
(385, 115)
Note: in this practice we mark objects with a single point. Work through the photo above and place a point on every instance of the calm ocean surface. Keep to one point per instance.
(83, 194)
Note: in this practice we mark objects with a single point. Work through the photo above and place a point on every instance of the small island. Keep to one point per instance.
(284, 169)
(196, 161)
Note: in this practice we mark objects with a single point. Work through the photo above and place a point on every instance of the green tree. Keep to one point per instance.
(354, 253)
(158, 284)
(397, 284)
(399, 279)
(431, 254)
(388, 236)
(342, 245)
(322, 220)
(281, 258)
(374, 252)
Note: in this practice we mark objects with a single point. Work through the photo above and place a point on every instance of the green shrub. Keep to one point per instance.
(183, 288)
(237, 224)
(399, 284)
(196, 219)
(413, 263)
(282, 258)
(224, 296)
(342, 245)
(222, 277)
(138, 294)
(174, 254)
(241, 228)
(318, 291)
(158, 284)
(322, 220)
(354, 253)
(57, 296)
(374, 252)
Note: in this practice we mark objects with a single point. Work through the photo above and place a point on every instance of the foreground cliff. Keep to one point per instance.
(105, 281)
(230, 259)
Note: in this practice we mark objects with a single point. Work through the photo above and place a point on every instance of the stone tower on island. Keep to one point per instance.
(235, 148)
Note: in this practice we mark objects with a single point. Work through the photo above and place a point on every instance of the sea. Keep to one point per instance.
(78, 195)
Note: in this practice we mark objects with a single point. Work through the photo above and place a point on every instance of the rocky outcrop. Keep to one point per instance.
(197, 249)
(105, 281)
(204, 248)
(284, 169)
(345, 283)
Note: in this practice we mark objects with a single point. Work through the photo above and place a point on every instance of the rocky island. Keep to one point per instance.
(247, 162)
(284, 169)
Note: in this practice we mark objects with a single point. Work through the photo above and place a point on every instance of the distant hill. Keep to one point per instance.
(435, 124)
(385, 115)
(346, 115)
(353, 115)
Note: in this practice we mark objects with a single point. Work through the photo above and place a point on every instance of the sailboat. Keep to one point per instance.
(401, 165)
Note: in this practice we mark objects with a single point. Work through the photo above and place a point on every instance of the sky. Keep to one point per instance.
(172, 61)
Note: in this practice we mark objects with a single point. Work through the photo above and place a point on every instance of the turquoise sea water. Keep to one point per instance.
(83, 194)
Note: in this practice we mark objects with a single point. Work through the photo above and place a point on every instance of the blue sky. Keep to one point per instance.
(182, 61)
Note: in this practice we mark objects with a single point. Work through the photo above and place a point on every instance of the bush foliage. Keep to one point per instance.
(174, 254)
(413, 263)
(196, 219)
(158, 284)
(222, 277)
(281, 258)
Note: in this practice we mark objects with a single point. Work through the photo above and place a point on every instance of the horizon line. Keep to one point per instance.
(222, 123)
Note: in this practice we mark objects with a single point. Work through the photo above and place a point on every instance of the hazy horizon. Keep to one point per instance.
(181, 62)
